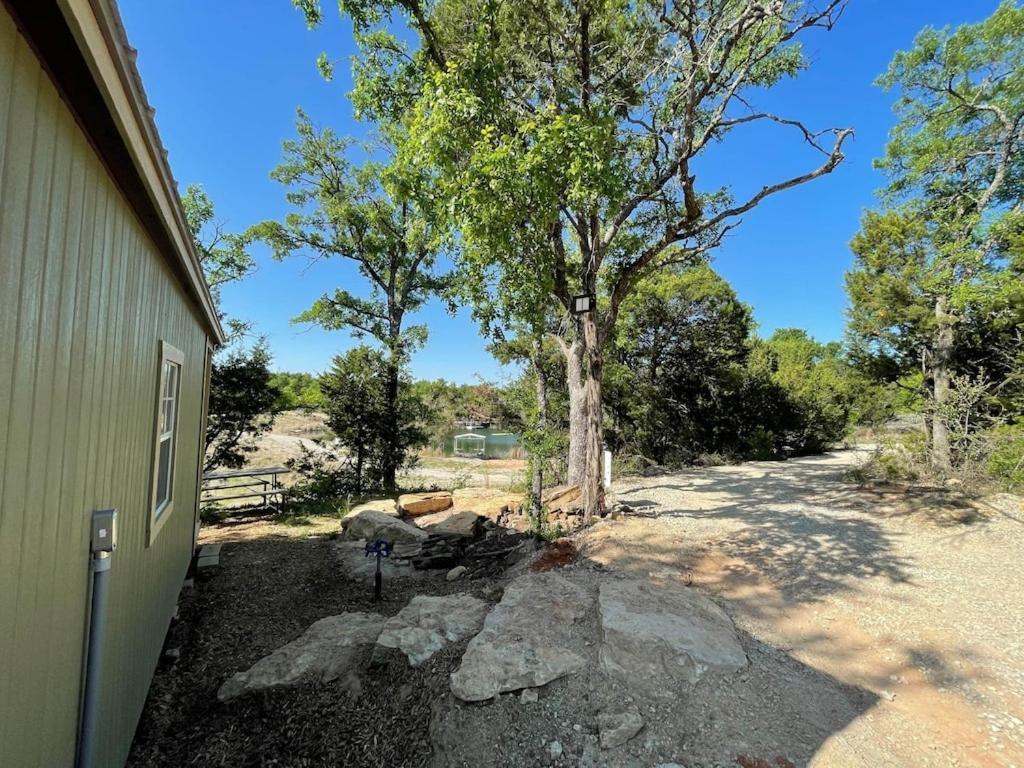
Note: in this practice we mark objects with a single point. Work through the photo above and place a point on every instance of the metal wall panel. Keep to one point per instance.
(85, 299)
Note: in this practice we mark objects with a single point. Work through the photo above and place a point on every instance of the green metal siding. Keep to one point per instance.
(85, 300)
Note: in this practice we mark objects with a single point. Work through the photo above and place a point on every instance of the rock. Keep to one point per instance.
(371, 525)
(456, 572)
(429, 622)
(486, 502)
(416, 504)
(617, 728)
(527, 640)
(384, 506)
(561, 497)
(440, 550)
(359, 567)
(468, 525)
(529, 696)
(325, 651)
(555, 749)
(653, 636)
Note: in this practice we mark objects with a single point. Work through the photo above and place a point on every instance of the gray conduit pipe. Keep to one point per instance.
(94, 659)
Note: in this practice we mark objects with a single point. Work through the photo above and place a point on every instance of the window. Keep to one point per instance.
(168, 391)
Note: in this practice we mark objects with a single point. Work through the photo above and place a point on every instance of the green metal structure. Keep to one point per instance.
(97, 282)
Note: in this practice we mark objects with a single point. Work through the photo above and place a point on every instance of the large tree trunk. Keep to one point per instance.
(942, 459)
(577, 459)
(391, 446)
(593, 492)
(537, 479)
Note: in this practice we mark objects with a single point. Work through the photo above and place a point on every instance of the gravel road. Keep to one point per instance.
(917, 598)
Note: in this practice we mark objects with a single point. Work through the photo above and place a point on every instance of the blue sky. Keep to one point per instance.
(226, 78)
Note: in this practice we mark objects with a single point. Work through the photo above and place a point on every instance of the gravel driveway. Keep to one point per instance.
(915, 597)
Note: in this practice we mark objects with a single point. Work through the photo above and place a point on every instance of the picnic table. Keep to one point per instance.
(255, 483)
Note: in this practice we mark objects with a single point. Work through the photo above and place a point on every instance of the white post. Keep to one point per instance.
(607, 469)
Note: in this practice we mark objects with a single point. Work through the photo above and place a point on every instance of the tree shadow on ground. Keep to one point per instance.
(805, 532)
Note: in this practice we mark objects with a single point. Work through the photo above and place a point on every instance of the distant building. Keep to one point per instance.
(106, 332)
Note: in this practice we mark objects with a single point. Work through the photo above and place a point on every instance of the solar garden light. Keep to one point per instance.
(583, 303)
(380, 548)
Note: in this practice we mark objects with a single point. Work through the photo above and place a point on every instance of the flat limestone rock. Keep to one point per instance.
(561, 497)
(370, 525)
(654, 636)
(386, 506)
(486, 502)
(429, 622)
(325, 651)
(466, 524)
(416, 504)
(527, 640)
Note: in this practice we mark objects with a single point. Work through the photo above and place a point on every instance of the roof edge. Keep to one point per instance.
(96, 26)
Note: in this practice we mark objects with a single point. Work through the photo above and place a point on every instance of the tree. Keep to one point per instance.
(819, 389)
(242, 397)
(565, 135)
(676, 365)
(297, 390)
(358, 401)
(373, 216)
(241, 405)
(931, 272)
(224, 256)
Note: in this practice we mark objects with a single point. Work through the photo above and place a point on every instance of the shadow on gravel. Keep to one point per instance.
(805, 532)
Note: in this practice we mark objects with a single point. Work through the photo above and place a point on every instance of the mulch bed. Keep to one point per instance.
(268, 591)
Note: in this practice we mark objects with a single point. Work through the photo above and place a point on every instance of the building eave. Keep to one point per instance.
(110, 104)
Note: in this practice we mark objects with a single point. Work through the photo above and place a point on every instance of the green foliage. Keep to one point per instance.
(325, 482)
(241, 406)
(297, 390)
(687, 379)
(936, 292)
(225, 257)
(359, 412)
(364, 214)
(819, 385)
(1006, 461)
(380, 218)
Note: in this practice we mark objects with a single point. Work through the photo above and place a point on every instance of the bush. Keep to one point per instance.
(1006, 461)
(326, 484)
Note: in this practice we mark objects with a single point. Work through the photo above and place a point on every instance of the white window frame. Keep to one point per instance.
(160, 510)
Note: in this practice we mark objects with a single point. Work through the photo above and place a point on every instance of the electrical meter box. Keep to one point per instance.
(104, 531)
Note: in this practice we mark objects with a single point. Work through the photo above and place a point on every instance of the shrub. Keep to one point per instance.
(326, 481)
(1006, 461)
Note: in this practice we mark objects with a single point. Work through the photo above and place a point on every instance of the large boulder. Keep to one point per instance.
(429, 622)
(467, 525)
(527, 640)
(655, 636)
(371, 525)
(385, 506)
(416, 504)
(326, 651)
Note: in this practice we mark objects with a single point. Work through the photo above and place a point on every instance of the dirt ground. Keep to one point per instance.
(917, 599)
(883, 628)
